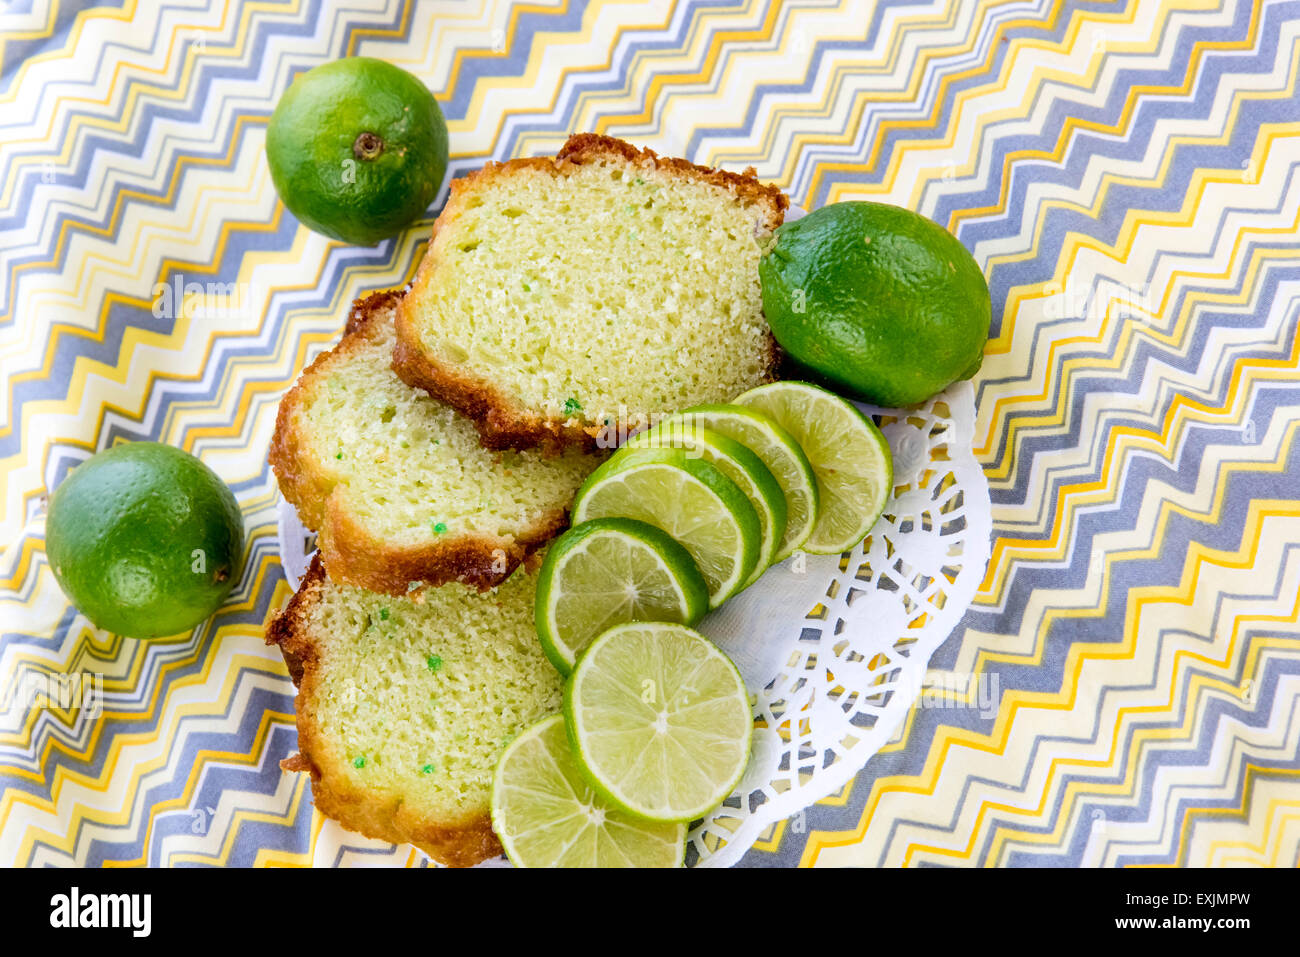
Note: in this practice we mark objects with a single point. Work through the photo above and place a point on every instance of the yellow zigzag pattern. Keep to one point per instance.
(993, 818)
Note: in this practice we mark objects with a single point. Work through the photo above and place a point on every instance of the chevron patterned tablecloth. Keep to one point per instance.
(1125, 688)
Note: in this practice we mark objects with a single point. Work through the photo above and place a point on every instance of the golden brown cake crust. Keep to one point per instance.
(354, 555)
(501, 423)
(383, 817)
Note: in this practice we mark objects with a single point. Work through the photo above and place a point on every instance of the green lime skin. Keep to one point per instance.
(144, 539)
(357, 149)
(877, 300)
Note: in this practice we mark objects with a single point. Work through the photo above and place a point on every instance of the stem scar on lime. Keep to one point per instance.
(367, 146)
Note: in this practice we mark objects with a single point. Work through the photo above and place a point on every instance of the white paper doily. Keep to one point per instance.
(833, 648)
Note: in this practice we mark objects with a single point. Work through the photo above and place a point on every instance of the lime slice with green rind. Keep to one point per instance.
(609, 571)
(783, 458)
(546, 814)
(689, 499)
(659, 720)
(849, 455)
(737, 463)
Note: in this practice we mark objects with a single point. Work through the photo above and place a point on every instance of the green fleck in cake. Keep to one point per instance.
(606, 283)
(405, 704)
(397, 484)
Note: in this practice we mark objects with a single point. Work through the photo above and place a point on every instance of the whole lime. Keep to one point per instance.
(877, 300)
(357, 149)
(144, 539)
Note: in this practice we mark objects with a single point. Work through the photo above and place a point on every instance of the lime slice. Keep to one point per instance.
(546, 815)
(738, 464)
(855, 472)
(659, 720)
(608, 571)
(782, 456)
(690, 500)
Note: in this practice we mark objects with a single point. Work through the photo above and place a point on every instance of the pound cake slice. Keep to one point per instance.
(405, 704)
(397, 484)
(607, 285)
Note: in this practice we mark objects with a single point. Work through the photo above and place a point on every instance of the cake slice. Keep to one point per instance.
(396, 484)
(405, 703)
(563, 299)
